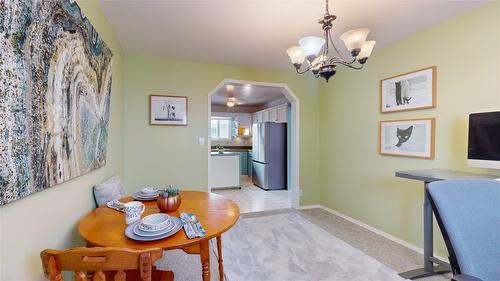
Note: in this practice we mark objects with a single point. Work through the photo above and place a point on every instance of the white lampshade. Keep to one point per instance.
(367, 49)
(355, 39)
(311, 45)
(296, 54)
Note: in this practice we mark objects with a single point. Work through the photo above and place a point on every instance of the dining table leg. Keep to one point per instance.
(205, 260)
(219, 254)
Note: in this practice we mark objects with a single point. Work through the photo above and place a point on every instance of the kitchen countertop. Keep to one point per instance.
(242, 147)
(225, 153)
(233, 150)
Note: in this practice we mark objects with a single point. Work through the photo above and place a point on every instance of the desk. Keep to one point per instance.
(428, 176)
(104, 227)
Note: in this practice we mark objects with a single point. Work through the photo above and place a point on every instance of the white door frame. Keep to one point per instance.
(295, 149)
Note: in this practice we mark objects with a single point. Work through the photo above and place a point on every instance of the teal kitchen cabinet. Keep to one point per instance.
(250, 163)
(244, 163)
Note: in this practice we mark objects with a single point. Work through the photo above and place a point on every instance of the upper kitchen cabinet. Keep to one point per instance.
(273, 114)
(259, 117)
(282, 111)
(265, 116)
(276, 114)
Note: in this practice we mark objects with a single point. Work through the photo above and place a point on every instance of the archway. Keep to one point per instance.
(295, 136)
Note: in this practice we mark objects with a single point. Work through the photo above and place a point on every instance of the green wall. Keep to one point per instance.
(170, 154)
(49, 219)
(340, 165)
(359, 182)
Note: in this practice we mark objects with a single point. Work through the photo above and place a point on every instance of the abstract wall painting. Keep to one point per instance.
(55, 88)
(409, 91)
(168, 110)
(412, 138)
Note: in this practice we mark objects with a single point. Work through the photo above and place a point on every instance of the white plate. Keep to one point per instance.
(143, 233)
(147, 195)
(143, 198)
(129, 231)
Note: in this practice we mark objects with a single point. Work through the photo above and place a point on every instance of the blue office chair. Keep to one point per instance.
(468, 214)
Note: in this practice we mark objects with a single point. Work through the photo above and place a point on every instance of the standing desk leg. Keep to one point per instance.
(429, 260)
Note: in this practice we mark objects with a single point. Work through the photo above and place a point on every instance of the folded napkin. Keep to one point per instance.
(116, 204)
(192, 226)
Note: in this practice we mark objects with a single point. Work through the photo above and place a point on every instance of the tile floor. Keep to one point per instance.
(250, 198)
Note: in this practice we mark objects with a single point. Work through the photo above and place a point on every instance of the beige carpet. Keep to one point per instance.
(281, 247)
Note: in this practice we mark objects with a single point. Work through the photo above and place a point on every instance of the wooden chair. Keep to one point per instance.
(101, 264)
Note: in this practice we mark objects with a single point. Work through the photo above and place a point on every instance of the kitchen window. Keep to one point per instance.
(220, 128)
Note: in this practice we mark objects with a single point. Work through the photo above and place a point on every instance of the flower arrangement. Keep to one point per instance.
(169, 199)
(170, 191)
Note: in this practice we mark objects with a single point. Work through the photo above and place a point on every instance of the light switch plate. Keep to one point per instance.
(201, 141)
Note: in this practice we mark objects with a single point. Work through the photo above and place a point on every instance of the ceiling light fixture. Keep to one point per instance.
(313, 54)
(230, 102)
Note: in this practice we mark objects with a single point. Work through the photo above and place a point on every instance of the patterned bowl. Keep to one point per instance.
(154, 222)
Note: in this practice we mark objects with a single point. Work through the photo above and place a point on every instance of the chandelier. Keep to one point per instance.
(314, 55)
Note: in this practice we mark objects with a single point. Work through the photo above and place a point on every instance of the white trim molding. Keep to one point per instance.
(371, 228)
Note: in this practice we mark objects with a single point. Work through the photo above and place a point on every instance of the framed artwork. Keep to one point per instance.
(412, 138)
(55, 96)
(168, 110)
(409, 91)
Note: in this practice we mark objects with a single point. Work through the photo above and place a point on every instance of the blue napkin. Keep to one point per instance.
(117, 205)
(192, 226)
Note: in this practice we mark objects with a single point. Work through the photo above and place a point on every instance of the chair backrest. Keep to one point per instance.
(468, 213)
(108, 190)
(99, 262)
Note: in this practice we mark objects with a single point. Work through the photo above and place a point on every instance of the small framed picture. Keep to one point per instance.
(168, 110)
(412, 138)
(409, 91)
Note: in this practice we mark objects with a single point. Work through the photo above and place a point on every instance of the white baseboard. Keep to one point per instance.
(371, 228)
(306, 207)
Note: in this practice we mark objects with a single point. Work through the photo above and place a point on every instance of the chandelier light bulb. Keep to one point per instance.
(366, 50)
(311, 45)
(297, 55)
(355, 39)
(230, 104)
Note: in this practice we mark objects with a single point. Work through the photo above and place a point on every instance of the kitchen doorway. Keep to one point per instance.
(253, 151)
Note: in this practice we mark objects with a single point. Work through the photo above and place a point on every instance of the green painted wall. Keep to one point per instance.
(342, 159)
(49, 219)
(359, 182)
(171, 155)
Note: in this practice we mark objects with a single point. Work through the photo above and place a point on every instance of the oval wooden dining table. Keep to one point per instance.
(105, 227)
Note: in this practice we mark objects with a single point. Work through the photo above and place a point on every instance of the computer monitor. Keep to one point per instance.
(484, 140)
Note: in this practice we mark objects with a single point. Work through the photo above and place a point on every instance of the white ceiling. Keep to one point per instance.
(247, 95)
(257, 33)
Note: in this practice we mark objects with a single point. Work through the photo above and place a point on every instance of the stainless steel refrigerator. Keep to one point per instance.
(269, 155)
